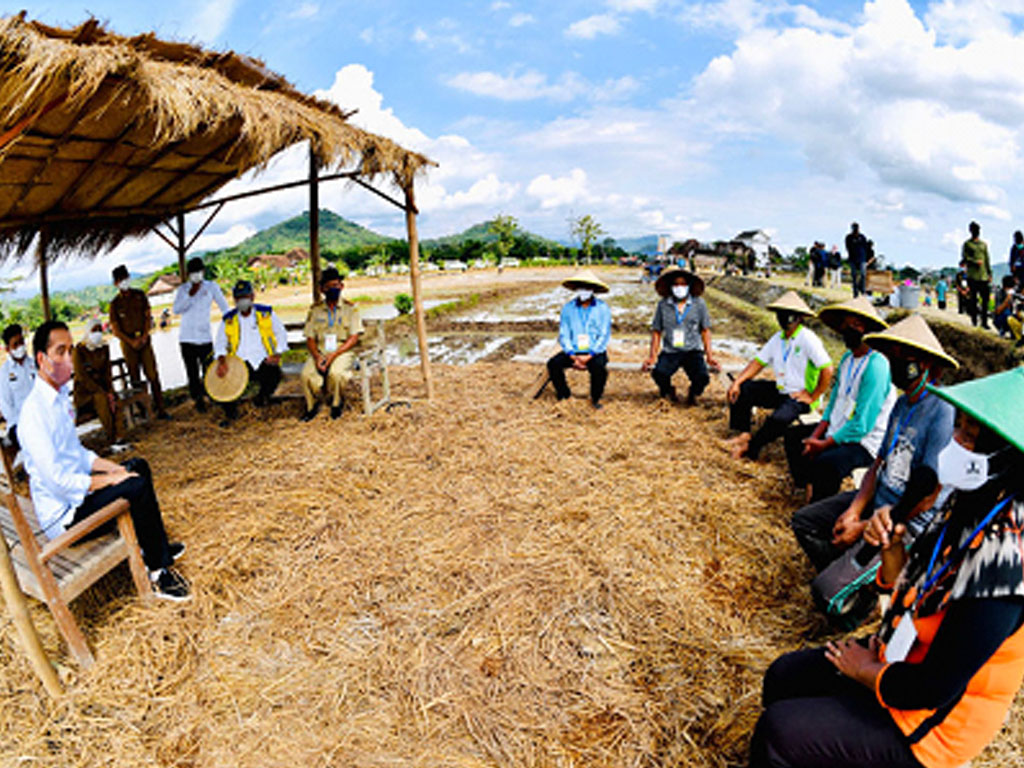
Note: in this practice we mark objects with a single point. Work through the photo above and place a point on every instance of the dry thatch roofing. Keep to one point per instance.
(104, 136)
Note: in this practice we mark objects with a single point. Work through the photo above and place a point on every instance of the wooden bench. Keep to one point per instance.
(58, 570)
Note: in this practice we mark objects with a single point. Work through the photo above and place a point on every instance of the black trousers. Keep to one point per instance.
(146, 517)
(195, 357)
(267, 376)
(825, 472)
(764, 394)
(12, 436)
(857, 278)
(693, 365)
(980, 291)
(816, 718)
(813, 525)
(597, 366)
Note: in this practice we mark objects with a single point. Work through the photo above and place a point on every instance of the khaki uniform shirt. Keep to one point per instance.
(92, 371)
(129, 312)
(336, 326)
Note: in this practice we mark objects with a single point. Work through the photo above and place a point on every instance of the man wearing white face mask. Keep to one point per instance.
(584, 331)
(681, 329)
(94, 384)
(256, 334)
(192, 302)
(131, 322)
(17, 375)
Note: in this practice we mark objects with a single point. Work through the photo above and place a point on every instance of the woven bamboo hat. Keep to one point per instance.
(790, 301)
(912, 332)
(585, 278)
(663, 285)
(995, 401)
(833, 314)
(231, 386)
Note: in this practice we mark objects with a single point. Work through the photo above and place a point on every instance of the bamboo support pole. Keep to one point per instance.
(314, 223)
(417, 291)
(44, 285)
(18, 609)
(181, 247)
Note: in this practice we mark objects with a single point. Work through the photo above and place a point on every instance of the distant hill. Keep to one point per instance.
(644, 244)
(479, 232)
(336, 234)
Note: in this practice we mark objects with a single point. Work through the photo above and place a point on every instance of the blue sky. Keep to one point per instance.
(656, 116)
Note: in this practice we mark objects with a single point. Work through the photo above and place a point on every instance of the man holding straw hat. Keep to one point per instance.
(585, 328)
(681, 329)
(850, 432)
(803, 373)
(904, 475)
(255, 334)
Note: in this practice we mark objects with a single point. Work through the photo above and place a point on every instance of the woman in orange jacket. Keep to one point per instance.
(933, 687)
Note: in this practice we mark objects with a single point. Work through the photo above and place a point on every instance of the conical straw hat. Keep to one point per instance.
(912, 332)
(231, 386)
(832, 315)
(994, 401)
(585, 278)
(791, 302)
(663, 285)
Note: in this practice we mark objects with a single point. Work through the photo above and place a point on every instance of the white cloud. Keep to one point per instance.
(488, 191)
(231, 236)
(592, 26)
(913, 224)
(554, 192)
(525, 87)
(500, 5)
(305, 11)
(995, 212)
(207, 21)
(447, 38)
(367, 35)
(420, 35)
(628, 6)
(521, 19)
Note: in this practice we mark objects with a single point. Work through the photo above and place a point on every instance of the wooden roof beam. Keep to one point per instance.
(186, 172)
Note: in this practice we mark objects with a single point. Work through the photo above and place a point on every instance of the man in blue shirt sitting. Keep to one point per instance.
(584, 332)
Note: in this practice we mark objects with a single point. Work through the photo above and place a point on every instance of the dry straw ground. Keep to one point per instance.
(485, 581)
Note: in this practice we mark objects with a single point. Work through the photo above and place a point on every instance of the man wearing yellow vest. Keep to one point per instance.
(256, 334)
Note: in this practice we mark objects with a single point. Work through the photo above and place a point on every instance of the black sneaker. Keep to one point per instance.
(170, 585)
(164, 416)
(335, 411)
(177, 549)
(201, 406)
(311, 413)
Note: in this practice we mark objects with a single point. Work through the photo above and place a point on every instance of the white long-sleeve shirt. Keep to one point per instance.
(15, 383)
(195, 311)
(250, 345)
(58, 465)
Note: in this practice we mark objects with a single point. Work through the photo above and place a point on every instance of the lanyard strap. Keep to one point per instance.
(679, 320)
(904, 423)
(855, 373)
(931, 579)
(787, 349)
(331, 316)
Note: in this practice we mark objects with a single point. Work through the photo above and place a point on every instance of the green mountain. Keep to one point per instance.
(480, 233)
(336, 234)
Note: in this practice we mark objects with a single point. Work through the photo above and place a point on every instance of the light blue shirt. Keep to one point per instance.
(592, 324)
(57, 464)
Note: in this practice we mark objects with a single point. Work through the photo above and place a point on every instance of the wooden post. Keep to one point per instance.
(23, 623)
(44, 287)
(417, 292)
(181, 247)
(314, 222)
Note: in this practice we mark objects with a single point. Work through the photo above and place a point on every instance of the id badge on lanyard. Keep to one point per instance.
(330, 342)
(583, 342)
(902, 639)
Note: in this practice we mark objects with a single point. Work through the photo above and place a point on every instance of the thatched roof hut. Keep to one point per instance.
(163, 285)
(105, 136)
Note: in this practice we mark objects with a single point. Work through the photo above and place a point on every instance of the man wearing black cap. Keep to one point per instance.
(333, 328)
(192, 302)
(132, 323)
(256, 334)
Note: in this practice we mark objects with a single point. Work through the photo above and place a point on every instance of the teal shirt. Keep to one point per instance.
(874, 389)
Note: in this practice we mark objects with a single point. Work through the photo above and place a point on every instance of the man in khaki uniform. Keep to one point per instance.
(132, 323)
(333, 327)
(94, 385)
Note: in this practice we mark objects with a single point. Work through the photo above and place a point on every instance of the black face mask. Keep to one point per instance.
(784, 319)
(852, 338)
(332, 295)
(904, 373)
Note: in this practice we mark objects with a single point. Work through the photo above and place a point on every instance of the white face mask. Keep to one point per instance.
(584, 294)
(961, 468)
(244, 305)
(18, 353)
(96, 338)
(195, 277)
(680, 291)
(124, 285)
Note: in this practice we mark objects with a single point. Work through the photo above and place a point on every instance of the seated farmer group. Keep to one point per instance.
(937, 521)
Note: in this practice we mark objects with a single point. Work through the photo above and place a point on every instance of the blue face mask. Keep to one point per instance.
(332, 295)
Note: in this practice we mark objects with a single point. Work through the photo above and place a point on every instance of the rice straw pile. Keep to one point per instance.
(482, 581)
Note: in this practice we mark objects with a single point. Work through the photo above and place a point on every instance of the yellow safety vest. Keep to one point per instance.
(264, 322)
